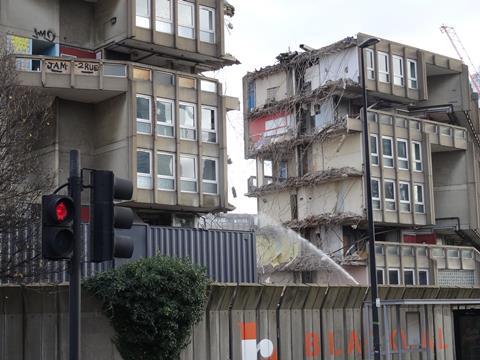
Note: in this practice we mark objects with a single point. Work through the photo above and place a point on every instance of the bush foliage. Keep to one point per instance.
(152, 304)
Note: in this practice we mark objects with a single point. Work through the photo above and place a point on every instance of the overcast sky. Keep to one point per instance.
(264, 28)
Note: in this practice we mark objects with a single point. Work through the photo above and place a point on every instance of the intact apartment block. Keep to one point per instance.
(303, 126)
(129, 92)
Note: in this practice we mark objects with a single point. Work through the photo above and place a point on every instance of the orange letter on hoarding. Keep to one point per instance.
(312, 344)
(354, 343)
(331, 345)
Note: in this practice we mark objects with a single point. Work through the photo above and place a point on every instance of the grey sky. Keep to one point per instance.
(264, 28)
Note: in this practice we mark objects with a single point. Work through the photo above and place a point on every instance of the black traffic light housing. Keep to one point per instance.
(105, 216)
(57, 227)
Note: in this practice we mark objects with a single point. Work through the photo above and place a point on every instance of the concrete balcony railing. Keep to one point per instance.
(438, 133)
(65, 74)
(421, 264)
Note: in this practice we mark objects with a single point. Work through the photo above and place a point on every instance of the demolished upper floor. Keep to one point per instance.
(177, 34)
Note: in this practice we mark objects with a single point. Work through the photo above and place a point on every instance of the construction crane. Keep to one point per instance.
(462, 54)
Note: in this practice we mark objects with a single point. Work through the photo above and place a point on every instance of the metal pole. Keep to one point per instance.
(371, 226)
(75, 188)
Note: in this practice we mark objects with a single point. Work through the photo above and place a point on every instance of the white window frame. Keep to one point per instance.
(145, 175)
(159, 123)
(414, 158)
(394, 200)
(209, 31)
(370, 67)
(426, 272)
(416, 202)
(381, 72)
(194, 128)
(215, 122)
(383, 275)
(179, 25)
(148, 18)
(195, 166)
(388, 157)
(408, 202)
(280, 178)
(374, 154)
(146, 121)
(400, 77)
(216, 175)
(159, 19)
(401, 160)
(205, 86)
(398, 275)
(378, 199)
(410, 77)
(166, 177)
(411, 270)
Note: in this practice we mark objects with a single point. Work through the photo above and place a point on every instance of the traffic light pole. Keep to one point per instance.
(75, 189)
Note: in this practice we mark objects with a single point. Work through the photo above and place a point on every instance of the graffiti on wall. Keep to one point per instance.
(47, 35)
(398, 342)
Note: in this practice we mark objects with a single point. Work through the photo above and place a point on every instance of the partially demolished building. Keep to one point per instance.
(303, 126)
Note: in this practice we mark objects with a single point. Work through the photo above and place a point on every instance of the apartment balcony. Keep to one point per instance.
(423, 265)
(88, 81)
(442, 137)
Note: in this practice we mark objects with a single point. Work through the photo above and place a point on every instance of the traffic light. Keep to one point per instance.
(105, 216)
(57, 227)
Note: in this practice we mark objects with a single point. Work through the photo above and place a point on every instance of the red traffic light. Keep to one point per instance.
(61, 211)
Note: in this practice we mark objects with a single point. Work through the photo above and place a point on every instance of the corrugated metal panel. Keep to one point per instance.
(229, 256)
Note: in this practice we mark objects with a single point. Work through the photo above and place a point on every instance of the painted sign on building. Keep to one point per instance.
(264, 128)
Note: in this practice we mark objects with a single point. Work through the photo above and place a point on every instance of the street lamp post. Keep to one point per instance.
(371, 227)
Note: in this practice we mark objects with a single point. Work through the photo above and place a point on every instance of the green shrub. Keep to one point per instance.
(152, 304)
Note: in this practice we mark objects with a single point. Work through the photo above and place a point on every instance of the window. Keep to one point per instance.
(164, 16)
(188, 83)
(207, 24)
(209, 124)
(387, 147)
(165, 115)
(186, 20)
(412, 74)
(419, 201)
(272, 94)
(144, 110)
(398, 77)
(404, 190)
(379, 250)
(374, 149)
(409, 277)
(422, 277)
(282, 170)
(417, 156)
(393, 276)
(188, 123)
(210, 176)
(402, 154)
(143, 13)
(114, 70)
(164, 78)
(144, 169)
(166, 171)
(389, 191)
(380, 277)
(370, 64)
(376, 202)
(383, 67)
(208, 86)
(188, 174)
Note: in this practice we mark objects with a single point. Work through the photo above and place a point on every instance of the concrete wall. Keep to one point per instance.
(105, 30)
(453, 89)
(337, 153)
(279, 80)
(77, 23)
(276, 206)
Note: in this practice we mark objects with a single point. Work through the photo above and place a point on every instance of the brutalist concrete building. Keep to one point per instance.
(303, 127)
(129, 93)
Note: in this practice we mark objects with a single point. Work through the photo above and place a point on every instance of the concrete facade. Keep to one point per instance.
(130, 95)
(423, 125)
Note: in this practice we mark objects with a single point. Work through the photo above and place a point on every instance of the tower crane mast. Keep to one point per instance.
(462, 54)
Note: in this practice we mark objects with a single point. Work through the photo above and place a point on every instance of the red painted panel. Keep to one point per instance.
(85, 214)
(78, 53)
(427, 239)
(409, 238)
(258, 127)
